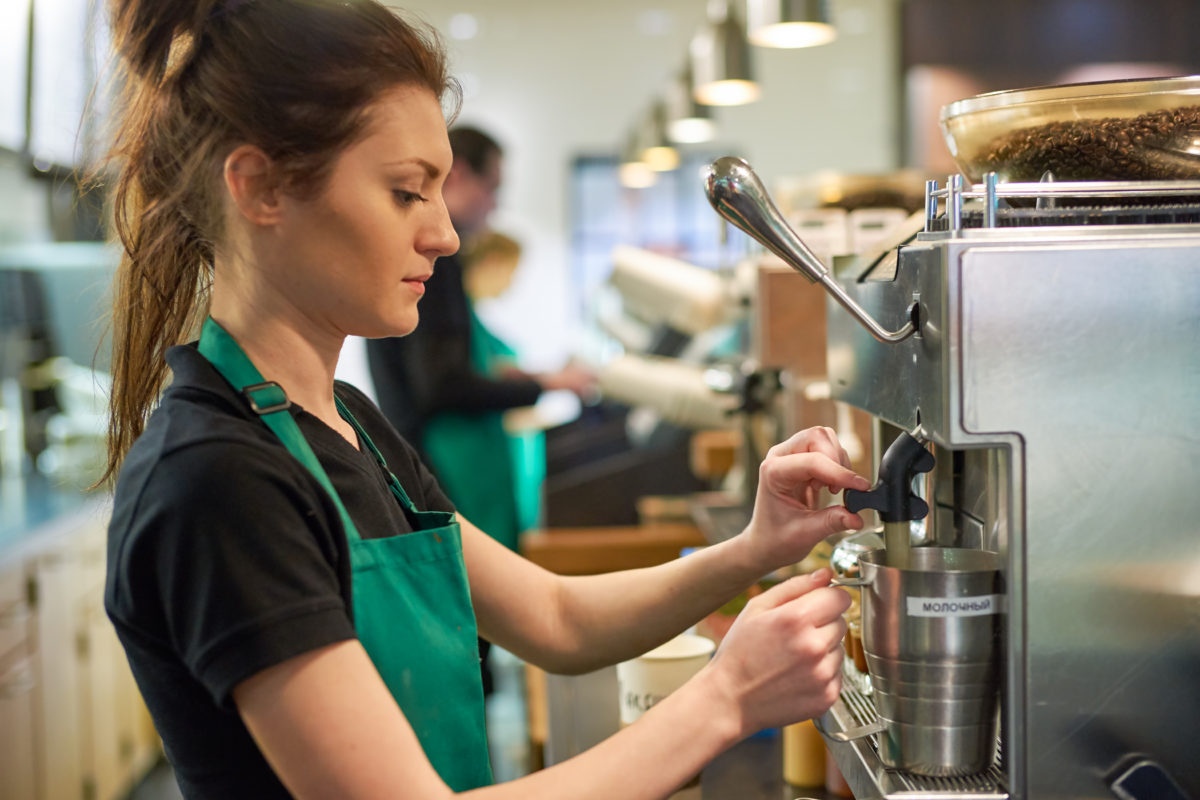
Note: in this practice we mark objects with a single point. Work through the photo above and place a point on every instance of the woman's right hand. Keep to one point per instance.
(781, 662)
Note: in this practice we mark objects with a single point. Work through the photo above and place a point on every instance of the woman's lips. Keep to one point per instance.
(417, 284)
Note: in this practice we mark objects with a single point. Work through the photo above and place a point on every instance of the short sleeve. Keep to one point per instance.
(236, 564)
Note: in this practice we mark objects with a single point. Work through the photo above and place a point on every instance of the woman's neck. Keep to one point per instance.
(286, 347)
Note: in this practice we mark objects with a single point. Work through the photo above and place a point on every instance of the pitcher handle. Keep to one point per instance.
(851, 734)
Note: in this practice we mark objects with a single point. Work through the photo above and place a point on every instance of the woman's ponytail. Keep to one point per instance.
(144, 31)
(165, 256)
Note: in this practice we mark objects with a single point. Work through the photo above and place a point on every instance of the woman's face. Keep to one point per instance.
(355, 257)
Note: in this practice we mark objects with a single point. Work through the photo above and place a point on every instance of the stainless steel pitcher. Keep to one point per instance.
(930, 633)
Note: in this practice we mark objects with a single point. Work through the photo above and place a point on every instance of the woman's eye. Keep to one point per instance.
(407, 198)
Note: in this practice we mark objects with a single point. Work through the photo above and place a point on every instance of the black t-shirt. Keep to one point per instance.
(225, 557)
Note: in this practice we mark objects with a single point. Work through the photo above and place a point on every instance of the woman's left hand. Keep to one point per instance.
(787, 521)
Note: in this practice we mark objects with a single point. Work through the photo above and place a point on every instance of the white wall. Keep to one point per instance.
(24, 202)
(556, 78)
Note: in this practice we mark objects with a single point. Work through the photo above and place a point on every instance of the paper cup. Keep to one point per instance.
(650, 677)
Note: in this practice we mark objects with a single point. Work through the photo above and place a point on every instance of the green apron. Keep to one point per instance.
(493, 477)
(412, 603)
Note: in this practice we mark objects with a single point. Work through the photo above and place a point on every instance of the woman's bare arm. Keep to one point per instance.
(329, 728)
(579, 623)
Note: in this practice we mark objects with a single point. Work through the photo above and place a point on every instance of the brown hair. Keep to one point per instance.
(292, 77)
(473, 146)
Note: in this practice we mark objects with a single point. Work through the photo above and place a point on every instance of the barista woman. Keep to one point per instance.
(296, 596)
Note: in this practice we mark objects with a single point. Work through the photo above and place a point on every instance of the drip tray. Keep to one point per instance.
(869, 778)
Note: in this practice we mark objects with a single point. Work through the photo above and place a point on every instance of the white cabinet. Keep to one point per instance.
(57, 741)
(74, 726)
(114, 747)
(16, 720)
(16, 690)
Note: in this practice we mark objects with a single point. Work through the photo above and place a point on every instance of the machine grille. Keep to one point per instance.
(991, 783)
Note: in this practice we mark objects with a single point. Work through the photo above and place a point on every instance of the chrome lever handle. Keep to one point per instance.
(738, 195)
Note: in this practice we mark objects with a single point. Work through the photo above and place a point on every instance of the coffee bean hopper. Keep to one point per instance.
(1039, 338)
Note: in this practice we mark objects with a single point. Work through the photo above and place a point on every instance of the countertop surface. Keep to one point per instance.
(29, 507)
(750, 770)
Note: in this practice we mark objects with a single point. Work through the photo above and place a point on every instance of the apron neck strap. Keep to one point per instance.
(270, 402)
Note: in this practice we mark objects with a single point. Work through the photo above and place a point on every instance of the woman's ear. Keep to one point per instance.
(251, 181)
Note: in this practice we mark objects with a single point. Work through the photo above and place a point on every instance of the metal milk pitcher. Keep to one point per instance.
(930, 631)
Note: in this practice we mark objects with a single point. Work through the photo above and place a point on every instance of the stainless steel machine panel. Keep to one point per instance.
(1044, 343)
(1076, 354)
(1090, 354)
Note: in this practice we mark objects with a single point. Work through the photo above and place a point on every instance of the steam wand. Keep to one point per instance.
(893, 497)
(737, 194)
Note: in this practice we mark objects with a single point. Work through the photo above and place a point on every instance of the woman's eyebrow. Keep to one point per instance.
(430, 169)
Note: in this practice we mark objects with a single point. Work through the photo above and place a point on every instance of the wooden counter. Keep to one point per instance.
(591, 550)
(587, 551)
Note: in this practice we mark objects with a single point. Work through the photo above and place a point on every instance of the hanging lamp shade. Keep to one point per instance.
(633, 172)
(688, 122)
(789, 23)
(720, 59)
(657, 151)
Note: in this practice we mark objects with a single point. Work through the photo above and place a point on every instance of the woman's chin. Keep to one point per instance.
(386, 328)
(403, 326)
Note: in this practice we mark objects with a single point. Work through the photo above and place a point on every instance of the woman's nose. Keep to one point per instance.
(440, 237)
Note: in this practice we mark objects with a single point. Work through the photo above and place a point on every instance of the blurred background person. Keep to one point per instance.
(506, 495)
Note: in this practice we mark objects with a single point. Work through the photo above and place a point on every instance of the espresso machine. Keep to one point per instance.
(1041, 340)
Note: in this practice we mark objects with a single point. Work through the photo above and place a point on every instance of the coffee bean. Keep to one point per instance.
(1159, 145)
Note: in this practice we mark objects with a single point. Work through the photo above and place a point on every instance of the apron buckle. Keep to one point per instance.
(276, 400)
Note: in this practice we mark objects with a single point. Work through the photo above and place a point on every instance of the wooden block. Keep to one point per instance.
(535, 704)
(653, 509)
(592, 550)
(713, 453)
(789, 320)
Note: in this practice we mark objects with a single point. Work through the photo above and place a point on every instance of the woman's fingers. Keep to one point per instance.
(835, 519)
(793, 588)
(791, 474)
(844, 457)
(796, 629)
(822, 603)
(810, 440)
(807, 462)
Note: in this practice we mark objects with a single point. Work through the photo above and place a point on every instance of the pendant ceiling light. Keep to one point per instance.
(688, 122)
(789, 23)
(633, 172)
(657, 152)
(720, 60)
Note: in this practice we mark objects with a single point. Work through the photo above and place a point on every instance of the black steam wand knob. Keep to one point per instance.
(892, 496)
